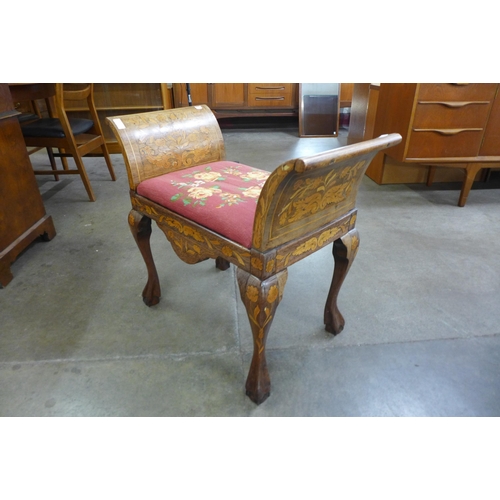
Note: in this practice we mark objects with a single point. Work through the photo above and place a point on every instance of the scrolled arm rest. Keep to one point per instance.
(305, 194)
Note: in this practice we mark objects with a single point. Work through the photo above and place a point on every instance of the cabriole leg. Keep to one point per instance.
(261, 299)
(140, 226)
(344, 251)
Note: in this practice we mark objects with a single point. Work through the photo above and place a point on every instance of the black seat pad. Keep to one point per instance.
(27, 117)
(51, 127)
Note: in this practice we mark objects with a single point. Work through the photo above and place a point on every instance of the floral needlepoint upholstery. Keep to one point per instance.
(221, 196)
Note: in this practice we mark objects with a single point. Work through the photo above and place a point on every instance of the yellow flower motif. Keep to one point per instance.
(257, 263)
(257, 175)
(253, 293)
(230, 199)
(200, 192)
(232, 171)
(252, 192)
(273, 294)
(207, 176)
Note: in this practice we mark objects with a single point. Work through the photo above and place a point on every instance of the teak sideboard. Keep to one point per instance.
(442, 125)
(241, 99)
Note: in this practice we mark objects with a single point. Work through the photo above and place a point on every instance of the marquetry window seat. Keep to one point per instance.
(260, 222)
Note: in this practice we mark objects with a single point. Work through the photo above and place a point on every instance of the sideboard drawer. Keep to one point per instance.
(270, 88)
(270, 95)
(448, 114)
(444, 143)
(260, 100)
(457, 91)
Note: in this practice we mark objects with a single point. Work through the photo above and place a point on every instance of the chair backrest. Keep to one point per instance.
(158, 142)
(305, 194)
(69, 96)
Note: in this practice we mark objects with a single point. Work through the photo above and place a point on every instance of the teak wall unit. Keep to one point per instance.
(442, 125)
(241, 99)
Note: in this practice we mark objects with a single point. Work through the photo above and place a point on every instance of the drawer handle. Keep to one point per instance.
(447, 131)
(454, 104)
(270, 88)
(269, 98)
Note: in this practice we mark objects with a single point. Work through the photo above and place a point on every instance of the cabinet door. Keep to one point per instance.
(229, 95)
(199, 94)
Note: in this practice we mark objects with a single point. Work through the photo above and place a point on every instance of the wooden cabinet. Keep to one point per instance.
(241, 99)
(22, 214)
(446, 121)
(442, 124)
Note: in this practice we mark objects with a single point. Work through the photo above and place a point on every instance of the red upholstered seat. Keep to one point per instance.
(228, 188)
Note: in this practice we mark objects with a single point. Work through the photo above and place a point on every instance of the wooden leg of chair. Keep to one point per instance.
(140, 226)
(222, 264)
(64, 160)
(107, 158)
(83, 174)
(52, 161)
(261, 298)
(430, 175)
(344, 251)
(471, 171)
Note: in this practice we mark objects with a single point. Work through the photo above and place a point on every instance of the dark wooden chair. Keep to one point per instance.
(259, 221)
(73, 137)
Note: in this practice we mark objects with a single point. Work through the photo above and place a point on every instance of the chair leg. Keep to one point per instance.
(140, 226)
(261, 298)
(83, 174)
(64, 160)
(471, 171)
(52, 161)
(107, 158)
(344, 251)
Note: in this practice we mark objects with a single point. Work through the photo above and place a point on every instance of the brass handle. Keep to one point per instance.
(447, 131)
(454, 104)
(270, 88)
(269, 98)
